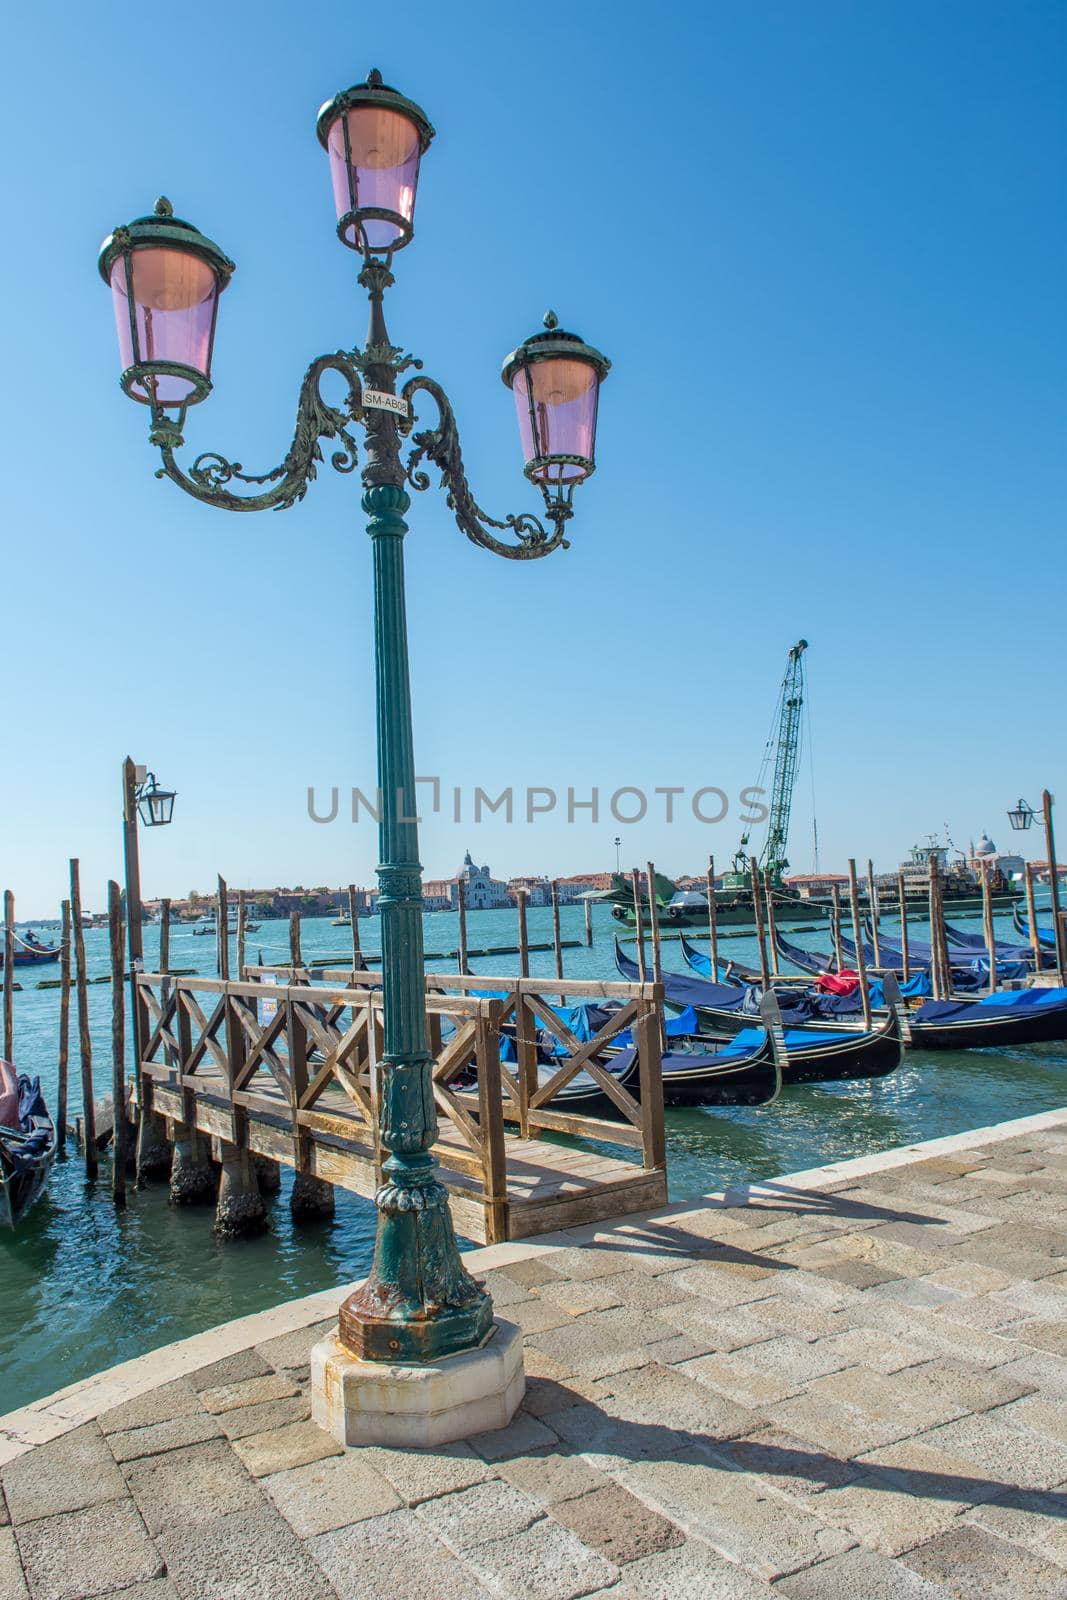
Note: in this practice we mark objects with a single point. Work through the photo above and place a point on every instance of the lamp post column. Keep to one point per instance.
(153, 1158)
(419, 1302)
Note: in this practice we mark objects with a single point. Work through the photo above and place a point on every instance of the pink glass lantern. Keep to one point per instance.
(165, 279)
(375, 139)
(555, 378)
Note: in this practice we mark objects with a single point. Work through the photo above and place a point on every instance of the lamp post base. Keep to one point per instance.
(434, 1403)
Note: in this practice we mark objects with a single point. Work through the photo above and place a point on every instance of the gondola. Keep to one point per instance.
(818, 1049)
(27, 1144)
(1045, 937)
(964, 950)
(30, 950)
(729, 972)
(996, 1022)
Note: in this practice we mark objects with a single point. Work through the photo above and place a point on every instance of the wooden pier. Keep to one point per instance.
(287, 1070)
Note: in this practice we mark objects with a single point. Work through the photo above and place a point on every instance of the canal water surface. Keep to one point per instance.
(82, 1287)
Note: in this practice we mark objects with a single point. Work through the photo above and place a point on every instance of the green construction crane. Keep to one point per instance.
(785, 739)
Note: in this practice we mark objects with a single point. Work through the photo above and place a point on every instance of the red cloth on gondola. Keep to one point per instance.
(845, 982)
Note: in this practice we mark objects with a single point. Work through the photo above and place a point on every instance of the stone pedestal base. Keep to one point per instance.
(371, 1402)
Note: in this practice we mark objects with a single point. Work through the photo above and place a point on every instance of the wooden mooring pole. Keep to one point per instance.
(222, 929)
(1054, 886)
(9, 976)
(1031, 916)
(557, 944)
(85, 1040)
(875, 910)
(757, 918)
(588, 904)
(524, 934)
(857, 934)
(242, 918)
(461, 906)
(64, 1027)
(164, 936)
(987, 926)
(835, 897)
(118, 1046)
(772, 927)
(358, 963)
(713, 922)
(903, 902)
(639, 925)
(295, 957)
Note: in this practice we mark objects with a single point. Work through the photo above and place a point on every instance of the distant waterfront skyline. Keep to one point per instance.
(824, 247)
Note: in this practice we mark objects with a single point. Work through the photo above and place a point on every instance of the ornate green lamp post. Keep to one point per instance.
(419, 1303)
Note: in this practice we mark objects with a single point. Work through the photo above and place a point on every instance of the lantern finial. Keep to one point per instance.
(374, 79)
(550, 320)
(163, 207)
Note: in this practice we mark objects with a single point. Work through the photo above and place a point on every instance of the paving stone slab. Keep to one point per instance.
(248, 1555)
(545, 1396)
(1036, 1521)
(617, 1525)
(631, 1329)
(67, 1473)
(584, 1353)
(797, 1361)
(293, 1445)
(723, 1288)
(262, 1418)
(789, 1464)
(1010, 1457)
(544, 1562)
(12, 1583)
(575, 1297)
(733, 1513)
(231, 1369)
(1051, 1336)
(293, 1350)
(154, 1589)
(522, 1434)
(884, 1516)
(839, 1430)
(550, 1476)
(610, 1442)
(859, 1575)
(407, 1560)
(170, 1400)
(539, 1316)
(494, 1509)
(197, 1484)
(529, 1274)
(330, 1494)
(974, 1565)
(420, 1474)
(247, 1392)
(78, 1554)
(738, 1380)
(692, 1571)
(574, 1264)
(172, 1435)
(665, 1397)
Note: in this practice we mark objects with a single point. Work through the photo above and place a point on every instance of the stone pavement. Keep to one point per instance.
(849, 1385)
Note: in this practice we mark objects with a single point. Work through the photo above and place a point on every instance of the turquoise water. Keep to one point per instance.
(82, 1286)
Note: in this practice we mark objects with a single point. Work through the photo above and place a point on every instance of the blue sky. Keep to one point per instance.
(824, 245)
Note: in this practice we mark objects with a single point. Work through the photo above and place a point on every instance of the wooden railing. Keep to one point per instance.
(290, 1069)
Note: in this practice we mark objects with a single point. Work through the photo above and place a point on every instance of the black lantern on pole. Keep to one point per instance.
(155, 805)
(1021, 816)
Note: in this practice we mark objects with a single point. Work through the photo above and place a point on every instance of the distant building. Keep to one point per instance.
(538, 890)
(483, 892)
(986, 853)
(816, 885)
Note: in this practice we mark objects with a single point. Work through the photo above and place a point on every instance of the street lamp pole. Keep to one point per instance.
(141, 791)
(419, 1302)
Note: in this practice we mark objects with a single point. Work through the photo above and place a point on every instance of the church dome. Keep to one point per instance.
(985, 846)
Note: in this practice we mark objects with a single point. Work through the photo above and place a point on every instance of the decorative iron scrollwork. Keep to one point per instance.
(316, 419)
(440, 446)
